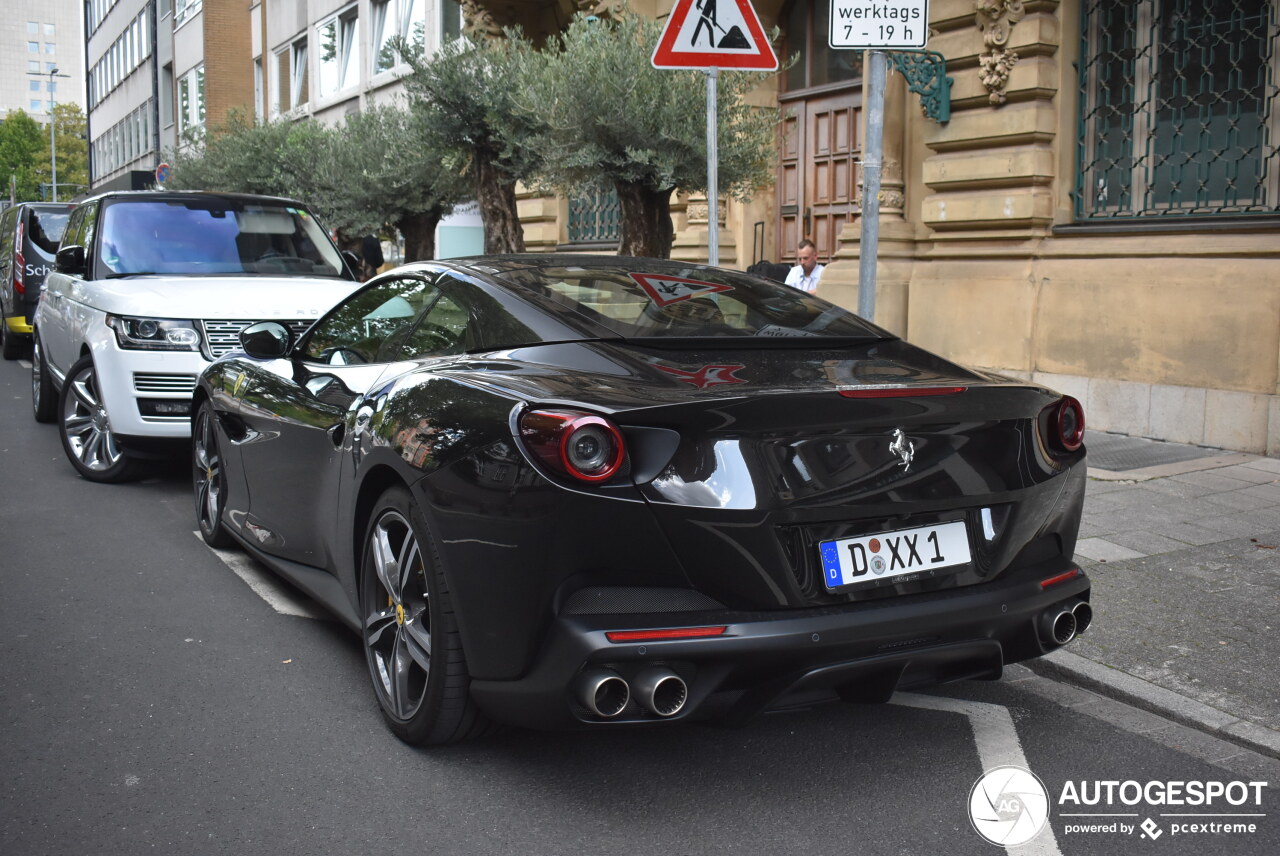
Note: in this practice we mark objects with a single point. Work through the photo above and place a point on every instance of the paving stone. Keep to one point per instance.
(1191, 533)
(1248, 473)
(1271, 465)
(1268, 494)
(1232, 499)
(1210, 479)
(1146, 543)
(1102, 550)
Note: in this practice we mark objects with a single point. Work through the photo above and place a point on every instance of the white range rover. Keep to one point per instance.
(148, 288)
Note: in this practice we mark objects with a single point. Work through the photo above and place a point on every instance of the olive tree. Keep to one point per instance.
(244, 156)
(609, 119)
(384, 172)
(465, 94)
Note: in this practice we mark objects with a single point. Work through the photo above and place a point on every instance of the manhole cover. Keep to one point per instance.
(1118, 453)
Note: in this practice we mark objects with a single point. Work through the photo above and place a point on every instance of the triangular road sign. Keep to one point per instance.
(665, 290)
(714, 34)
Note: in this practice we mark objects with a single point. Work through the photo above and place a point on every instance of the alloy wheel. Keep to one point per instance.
(85, 423)
(397, 626)
(209, 478)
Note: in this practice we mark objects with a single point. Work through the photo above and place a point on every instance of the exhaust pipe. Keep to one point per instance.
(1059, 626)
(1083, 613)
(661, 691)
(603, 692)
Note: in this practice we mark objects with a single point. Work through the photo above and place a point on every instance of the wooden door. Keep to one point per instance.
(818, 173)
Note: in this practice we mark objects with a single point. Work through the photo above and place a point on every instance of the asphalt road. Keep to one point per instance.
(153, 701)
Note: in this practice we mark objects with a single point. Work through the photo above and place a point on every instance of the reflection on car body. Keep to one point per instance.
(543, 496)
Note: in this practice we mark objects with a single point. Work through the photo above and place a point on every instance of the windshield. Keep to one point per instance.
(213, 236)
(657, 301)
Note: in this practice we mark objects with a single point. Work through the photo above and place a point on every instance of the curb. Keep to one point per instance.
(1113, 683)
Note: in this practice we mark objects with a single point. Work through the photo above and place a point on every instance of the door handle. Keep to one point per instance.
(808, 221)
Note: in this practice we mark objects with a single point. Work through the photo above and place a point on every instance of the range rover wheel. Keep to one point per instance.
(44, 398)
(210, 480)
(86, 432)
(411, 639)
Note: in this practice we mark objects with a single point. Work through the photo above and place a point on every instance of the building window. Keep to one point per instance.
(595, 218)
(33, 47)
(32, 27)
(184, 9)
(191, 100)
(298, 89)
(49, 48)
(33, 67)
(338, 41)
(807, 26)
(35, 106)
(1180, 113)
(34, 85)
(49, 29)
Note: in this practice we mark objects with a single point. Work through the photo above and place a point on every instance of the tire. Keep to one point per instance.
(11, 345)
(209, 478)
(85, 428)
(44, 398)
(411, 639)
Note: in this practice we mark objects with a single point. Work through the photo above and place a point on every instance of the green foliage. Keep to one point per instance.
(73, 151)
(466, 94)
(608, 116)
(244, 156)
(22, 142)
(370, 173)
(381, 168)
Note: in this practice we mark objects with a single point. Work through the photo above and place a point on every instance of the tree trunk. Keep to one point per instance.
(419, 232)
(646, 221)
(497, 198)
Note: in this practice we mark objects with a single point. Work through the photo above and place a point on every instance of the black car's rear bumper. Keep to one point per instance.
(860, 652)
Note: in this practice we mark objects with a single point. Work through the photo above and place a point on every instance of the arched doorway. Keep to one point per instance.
(821, 100)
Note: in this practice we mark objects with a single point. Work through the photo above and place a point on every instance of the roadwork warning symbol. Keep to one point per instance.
(714, 34)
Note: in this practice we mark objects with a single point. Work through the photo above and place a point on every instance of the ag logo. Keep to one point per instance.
(1008, 806)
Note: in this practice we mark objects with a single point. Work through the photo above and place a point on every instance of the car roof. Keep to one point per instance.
(179, 195)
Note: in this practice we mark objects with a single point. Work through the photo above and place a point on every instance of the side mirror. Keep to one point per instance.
(70, 260)
(266, 340)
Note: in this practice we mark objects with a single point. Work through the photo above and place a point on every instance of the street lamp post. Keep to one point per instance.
(53, 137)
(53, 148)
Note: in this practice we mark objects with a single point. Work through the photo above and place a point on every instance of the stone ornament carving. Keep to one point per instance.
(477, 20)
(995, 19)
(601, 8)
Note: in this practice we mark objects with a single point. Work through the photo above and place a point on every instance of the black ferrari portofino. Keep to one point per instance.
(583, 491)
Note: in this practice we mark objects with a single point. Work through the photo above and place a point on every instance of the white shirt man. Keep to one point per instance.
(806, 274)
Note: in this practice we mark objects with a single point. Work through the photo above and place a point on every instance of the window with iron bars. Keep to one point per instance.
(595, 218)
(1180, 109)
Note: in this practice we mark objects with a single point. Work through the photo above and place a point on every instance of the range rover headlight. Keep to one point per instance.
(154, 334)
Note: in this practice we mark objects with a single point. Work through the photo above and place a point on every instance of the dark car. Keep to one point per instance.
(29, 236)
(585, 491)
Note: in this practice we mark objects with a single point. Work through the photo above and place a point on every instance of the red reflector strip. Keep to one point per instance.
(669, 633)
(1060, 578)
(902, 391)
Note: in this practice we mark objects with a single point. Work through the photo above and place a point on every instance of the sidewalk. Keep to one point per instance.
(1182, 544)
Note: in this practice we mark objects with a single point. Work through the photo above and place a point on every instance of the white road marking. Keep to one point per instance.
(278, 594)
(998, 746)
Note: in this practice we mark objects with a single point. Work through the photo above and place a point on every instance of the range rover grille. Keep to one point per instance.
(223, 337)
(167, 384)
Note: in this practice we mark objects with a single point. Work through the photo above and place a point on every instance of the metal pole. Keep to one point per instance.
(876, 71)
(713, 172)
(53, 149)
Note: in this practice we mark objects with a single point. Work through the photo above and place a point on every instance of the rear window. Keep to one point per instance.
(45, 228)
(677, 302)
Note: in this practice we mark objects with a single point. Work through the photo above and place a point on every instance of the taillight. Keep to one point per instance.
(582, 445)
(1065, 424)
(19, 264)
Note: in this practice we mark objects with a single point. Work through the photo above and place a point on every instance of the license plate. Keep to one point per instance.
(870, 558)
